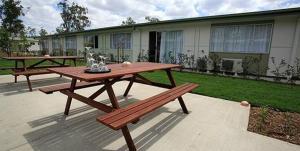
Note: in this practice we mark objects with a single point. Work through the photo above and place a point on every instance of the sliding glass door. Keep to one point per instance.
(171, 46)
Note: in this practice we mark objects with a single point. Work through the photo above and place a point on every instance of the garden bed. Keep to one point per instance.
(273, 123)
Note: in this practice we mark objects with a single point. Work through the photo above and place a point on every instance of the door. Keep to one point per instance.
(154, 46)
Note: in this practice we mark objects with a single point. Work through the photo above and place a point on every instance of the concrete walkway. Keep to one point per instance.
(35, 121)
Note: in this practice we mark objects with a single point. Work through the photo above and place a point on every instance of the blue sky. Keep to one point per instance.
(103, 13)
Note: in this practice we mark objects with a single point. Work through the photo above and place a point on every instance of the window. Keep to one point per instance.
(71, 43)
(249, 38)
(44, 45)
(56, 45)
(91, 41)
(120, 41)
(171, 46)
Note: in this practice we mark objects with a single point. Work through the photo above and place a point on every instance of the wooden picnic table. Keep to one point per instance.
(37, 68)
(118, 118)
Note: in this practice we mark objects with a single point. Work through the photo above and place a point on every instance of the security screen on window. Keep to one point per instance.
(245, 38)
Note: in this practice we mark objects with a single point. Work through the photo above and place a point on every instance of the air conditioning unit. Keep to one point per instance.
(231, 65)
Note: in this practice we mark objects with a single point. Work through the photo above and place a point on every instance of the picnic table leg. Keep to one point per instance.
(129, 86)
(74, 61)
(128, 138)
(69, 100)
(64, 62)
(16, 68)
(111, 94)
(29, 83)
(24, 65)
(115, 104)
(181, 102)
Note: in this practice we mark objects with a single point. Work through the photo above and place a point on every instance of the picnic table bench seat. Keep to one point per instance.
(121, 117)
(30, 72)
(79, 85)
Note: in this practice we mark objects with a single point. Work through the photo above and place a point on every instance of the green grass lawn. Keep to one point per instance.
(258, 93)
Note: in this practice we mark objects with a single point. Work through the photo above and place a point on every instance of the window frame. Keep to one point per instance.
(72, 49)
(92, 44)
(112, 44)
(269, 22)
(59, 43)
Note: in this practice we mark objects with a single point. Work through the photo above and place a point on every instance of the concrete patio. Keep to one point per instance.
(35, 121)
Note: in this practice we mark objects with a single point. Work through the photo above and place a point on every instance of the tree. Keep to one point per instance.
(4, 40)
(11, 10)
(31, 32)
(151, 19)
(24, 43)
(74, 17)
(128, 21)
(43, 32)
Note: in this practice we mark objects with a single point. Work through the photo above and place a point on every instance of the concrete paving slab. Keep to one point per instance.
(35, 121)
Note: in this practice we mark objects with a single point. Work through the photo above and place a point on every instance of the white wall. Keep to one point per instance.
(196, 37)
(34, 47)
(282, 40)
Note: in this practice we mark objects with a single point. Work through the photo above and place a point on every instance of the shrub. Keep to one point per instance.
(142, 57)
(215, 61)
(277, 66)
(247, 62)
(201, 63)
(182, 59)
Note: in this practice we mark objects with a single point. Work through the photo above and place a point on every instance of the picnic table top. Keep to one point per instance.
(42, 57)
(117, 70)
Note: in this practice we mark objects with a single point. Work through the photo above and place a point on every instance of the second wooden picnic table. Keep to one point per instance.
(37, 68)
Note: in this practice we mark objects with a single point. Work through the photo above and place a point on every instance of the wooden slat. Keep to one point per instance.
(142, 110)
(42, 57)
(149, 102)
(116, 70)
(88, 101)
(79, 85)
(66, 86)
(32, 72)
(6, 68)
(136, 104)
(121, 117)
(48, 66)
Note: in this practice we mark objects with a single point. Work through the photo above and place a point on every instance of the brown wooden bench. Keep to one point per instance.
(118, 119)
(33, 71)
(79, 85)
(28, 73)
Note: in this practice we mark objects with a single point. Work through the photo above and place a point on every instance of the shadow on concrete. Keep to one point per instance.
(124, 101)
(83, 132)
(11, 88)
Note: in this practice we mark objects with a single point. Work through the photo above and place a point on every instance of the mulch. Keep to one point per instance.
(280, 125)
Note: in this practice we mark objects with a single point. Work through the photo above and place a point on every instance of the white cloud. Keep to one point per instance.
(103, 13)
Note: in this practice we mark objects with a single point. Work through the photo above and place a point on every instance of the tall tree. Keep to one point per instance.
(24, 43)
(11, 10)
(128, 21)
(74, 17)
(151, 19)
(43, 32)
(30, 32)
(4, 40)
(10, 13)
